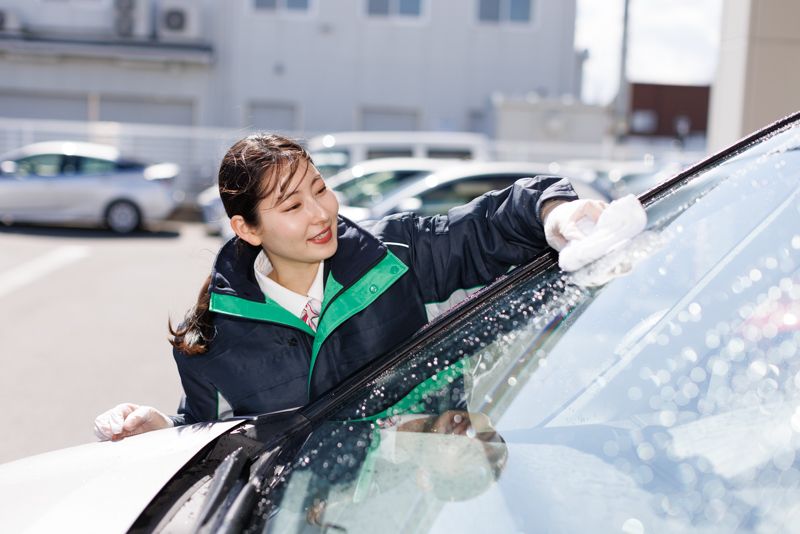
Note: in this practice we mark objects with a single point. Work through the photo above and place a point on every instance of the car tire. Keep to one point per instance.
(123, 217)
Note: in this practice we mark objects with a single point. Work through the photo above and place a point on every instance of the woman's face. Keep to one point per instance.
(298, 220)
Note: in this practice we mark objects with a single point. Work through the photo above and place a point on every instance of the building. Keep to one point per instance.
(671, 111)
(756, 81)
(301, 66)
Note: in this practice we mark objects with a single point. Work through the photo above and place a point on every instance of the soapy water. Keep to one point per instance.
(620, 259)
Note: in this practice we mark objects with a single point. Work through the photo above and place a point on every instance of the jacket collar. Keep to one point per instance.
(357, 252)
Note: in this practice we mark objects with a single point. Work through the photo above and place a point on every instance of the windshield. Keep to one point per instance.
(655, 390)
(369, 189)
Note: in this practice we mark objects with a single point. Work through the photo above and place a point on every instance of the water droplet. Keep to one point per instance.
(694, 309)
(645, 451)
(712, 340)
(667, 418)
(632, 526)
(755, 275)
(512, 381)
(698, 374)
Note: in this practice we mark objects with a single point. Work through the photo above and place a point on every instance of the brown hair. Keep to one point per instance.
(250, 171)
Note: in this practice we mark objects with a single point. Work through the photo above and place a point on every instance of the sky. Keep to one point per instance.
(670, 41)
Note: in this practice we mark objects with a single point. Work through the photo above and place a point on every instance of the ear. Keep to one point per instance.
(246, 232)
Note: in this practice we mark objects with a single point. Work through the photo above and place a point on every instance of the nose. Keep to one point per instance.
(317, 210)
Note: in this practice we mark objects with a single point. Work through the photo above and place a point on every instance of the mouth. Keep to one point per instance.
(322, 237)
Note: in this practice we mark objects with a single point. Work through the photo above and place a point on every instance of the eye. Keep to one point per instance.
(293, 207)
(324, 188)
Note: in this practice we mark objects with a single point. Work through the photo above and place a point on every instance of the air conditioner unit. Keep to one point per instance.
(133, 19)
(178, 20)
(9, 22)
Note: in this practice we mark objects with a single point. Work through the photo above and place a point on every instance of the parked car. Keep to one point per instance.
(58, 182)
(215, 219)
(620, 178)
(655, 390)
(367, 183)
(339, 150)
(455, 185)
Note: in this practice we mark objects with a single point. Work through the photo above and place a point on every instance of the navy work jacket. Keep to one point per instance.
(262, 358)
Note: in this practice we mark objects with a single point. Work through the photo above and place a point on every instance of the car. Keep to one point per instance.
(336, 151)
(656, 389)
(68, 182)
(620, 178)
(367, 183)
(215, 219)
(458, 184)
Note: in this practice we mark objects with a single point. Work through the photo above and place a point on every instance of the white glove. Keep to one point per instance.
(129, 419)
(571, 221)
(617, 223)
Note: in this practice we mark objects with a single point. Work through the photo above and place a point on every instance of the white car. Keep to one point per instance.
(456, 185)
(370, 181)
(66, 182)
(654, 390)
(336, 151)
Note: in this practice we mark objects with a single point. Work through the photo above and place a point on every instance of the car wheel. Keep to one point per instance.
(123, 217)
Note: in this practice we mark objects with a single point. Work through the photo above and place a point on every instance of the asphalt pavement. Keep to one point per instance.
(83, 326)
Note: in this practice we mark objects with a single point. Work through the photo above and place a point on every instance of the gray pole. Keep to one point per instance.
(623, 93)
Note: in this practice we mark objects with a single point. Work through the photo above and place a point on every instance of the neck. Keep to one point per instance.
(297, 277)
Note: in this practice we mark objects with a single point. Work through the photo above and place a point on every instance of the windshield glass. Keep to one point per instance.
(655, 390)
(367, 190)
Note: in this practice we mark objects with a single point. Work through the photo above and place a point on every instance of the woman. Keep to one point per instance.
(302, 298)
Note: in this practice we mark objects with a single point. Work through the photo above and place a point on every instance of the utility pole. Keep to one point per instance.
(623, 93)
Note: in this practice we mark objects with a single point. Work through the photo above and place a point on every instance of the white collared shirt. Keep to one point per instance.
(288, 299)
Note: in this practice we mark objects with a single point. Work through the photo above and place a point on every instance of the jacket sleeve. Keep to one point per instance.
(200, 401)
(477, 242)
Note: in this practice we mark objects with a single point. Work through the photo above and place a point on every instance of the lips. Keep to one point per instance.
(322, 237)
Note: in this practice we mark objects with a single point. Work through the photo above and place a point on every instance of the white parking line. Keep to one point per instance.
(28, 272)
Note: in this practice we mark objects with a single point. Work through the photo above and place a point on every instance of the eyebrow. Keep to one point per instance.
(314, 180)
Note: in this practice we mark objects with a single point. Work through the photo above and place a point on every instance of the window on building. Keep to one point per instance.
(504, 10)
(385, 8)
(290, 5)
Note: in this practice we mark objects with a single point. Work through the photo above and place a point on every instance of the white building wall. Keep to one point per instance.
(331, 68)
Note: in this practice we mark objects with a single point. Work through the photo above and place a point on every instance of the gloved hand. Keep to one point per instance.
(570, 221)
(588, 240)
(129, 419)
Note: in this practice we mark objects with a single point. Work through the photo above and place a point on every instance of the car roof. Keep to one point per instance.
(390, 164)
(72, 148)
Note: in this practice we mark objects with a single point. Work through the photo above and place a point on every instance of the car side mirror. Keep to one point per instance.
(410, 204)
(8, 167)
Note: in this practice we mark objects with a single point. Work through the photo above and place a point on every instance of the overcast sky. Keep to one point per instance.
(670, 41)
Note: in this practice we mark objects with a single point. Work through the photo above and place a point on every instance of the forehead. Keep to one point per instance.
(290, 177)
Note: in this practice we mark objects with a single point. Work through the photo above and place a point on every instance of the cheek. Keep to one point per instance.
(331, 203)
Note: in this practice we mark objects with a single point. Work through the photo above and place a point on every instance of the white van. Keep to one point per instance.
(336, 151)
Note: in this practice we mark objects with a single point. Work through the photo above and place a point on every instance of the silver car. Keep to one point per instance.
(65, 182)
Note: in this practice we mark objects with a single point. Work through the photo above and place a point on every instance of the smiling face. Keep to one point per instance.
(297, 222)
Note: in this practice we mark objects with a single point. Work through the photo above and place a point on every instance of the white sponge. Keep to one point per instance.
(618, 223)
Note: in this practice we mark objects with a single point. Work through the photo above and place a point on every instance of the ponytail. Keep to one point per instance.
(194, 334)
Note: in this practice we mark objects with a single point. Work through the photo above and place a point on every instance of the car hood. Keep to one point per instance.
(97, 487)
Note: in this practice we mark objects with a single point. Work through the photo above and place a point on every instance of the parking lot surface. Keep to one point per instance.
(83, 326)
